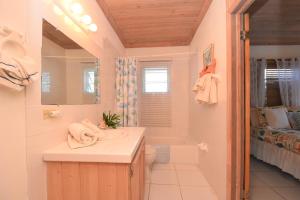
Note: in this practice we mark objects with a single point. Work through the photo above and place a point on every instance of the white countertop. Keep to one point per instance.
(117, 150)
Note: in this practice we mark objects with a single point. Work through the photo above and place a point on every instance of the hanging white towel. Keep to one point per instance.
(17, 70)
(81, 136)
(206, 89)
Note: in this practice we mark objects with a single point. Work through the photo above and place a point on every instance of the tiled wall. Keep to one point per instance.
(24, 131)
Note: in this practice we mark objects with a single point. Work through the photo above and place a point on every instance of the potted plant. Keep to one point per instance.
(110, 120)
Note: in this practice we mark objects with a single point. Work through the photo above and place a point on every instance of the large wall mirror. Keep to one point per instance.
(70, 74)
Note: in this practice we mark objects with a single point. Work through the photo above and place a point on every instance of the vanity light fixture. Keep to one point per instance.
(93, 27)
(86, 19)
(73, 13)
(76, 8)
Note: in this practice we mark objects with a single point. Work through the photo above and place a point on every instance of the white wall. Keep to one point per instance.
(273, 51)
(179, 57)
(13, 184)
(208, 122)
(25, 135)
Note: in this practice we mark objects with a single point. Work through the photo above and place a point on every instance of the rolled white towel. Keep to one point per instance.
(100, 133)
(81, 136)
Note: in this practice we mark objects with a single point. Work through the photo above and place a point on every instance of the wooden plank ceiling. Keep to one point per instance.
(155, 23)
(58, 37)
(275, 22)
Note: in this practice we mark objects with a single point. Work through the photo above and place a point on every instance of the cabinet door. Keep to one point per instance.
(142, 172)
(135, 180)
(137, 174)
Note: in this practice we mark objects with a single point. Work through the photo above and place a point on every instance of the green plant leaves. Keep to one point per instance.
(111, 120)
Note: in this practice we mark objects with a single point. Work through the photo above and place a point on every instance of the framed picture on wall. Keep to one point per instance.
(208, 55)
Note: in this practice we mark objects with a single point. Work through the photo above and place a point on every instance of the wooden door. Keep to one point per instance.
(246, 39)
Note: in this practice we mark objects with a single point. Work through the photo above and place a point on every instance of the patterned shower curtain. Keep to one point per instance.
(126, 89)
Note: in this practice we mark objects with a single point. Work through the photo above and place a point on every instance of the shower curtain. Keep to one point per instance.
(126, 90)
(258, 85)
(289, 81)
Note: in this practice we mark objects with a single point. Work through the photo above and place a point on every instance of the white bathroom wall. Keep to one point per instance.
(275, 51)
(12, 119)
(179, 57)
(208, 122)
(24, 131)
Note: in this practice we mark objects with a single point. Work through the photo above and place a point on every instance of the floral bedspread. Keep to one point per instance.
(283, 138)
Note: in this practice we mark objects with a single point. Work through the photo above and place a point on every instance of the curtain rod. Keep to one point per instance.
(274, 59)
(163, 55)
(69, 57)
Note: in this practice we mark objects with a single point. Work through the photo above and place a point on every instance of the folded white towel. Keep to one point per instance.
(206, 89)
(100, 133)
(81, 136)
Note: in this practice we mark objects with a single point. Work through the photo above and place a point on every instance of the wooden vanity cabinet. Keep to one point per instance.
(97, 181)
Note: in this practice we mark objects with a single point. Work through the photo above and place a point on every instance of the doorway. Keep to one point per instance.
(262, 32)
(272, 100)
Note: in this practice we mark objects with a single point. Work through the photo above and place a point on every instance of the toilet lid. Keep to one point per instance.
(149, 150)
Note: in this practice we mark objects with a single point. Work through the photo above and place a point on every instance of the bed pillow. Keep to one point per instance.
(277, 117)
(258, 118)
(294, 119)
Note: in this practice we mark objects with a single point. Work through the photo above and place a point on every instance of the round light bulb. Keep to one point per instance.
(57, 10)
(93, 27)
(86, 19)
(76, 8)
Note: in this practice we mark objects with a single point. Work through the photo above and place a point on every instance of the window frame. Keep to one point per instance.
(46, 87)
(155, 65)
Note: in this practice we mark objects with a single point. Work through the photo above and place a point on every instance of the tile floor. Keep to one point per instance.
(269, 183)
(177, 182)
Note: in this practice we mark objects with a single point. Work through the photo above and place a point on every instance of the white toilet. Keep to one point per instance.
(150, 155)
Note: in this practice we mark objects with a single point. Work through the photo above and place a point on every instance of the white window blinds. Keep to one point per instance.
(155, 97)
(275, 74)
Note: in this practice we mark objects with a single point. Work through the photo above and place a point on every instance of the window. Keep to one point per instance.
(155, 97)
(156, 80)
(46, 82)
(274, 74)
(89, 81)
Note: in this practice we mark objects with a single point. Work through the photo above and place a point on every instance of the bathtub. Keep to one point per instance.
(182, 150)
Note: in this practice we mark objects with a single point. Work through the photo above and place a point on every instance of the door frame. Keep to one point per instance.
(236, 98)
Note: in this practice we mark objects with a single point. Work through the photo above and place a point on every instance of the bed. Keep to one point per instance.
(279, 147)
